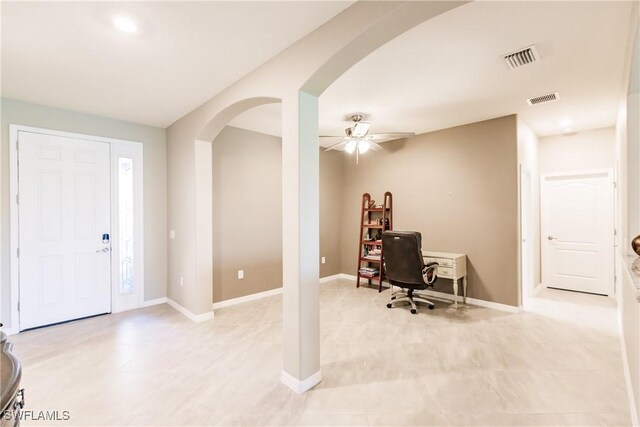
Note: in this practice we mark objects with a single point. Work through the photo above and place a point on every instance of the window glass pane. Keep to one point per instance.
(125, 224)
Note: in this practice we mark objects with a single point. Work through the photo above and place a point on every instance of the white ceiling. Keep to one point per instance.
(449, 71)
(68, 54)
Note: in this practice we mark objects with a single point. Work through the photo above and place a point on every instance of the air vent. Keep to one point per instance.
(522, 57)
(543, 98)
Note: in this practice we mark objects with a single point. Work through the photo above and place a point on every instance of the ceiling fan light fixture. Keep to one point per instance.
(360, 129)
(363, 146)
(351, 146)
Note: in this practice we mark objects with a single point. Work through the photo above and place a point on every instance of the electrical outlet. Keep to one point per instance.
(182, 282)
(172, 234)
(323, 260)
(240, 274)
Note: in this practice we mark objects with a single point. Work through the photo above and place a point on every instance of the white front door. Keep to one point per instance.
(577, 232)
(64, 216)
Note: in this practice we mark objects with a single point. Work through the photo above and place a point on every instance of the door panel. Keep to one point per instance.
(65, 207)
(577, 232)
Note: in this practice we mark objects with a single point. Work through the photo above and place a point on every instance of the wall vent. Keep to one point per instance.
(554, 96)
(522, 57)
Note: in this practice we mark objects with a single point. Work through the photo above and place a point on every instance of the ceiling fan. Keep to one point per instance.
(359, 140)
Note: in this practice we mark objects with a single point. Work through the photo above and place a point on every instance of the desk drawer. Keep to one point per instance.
(446, 272)
(443, 262)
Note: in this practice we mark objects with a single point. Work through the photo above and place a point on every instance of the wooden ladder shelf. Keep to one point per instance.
(374, 220)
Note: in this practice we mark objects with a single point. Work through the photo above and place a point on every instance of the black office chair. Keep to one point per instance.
(404, 267)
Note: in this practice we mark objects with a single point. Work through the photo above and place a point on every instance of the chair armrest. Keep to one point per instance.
(430, 272)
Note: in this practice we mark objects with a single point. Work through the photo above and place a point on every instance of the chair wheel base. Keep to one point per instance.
(431, 307)
(389, 305)
(414, 311)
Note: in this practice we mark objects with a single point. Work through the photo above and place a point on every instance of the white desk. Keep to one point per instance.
(450, 266)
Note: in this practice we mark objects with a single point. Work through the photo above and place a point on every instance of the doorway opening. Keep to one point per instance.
(247, 207)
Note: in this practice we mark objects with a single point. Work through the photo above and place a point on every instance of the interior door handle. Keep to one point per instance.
(551, 238)
(99, 251)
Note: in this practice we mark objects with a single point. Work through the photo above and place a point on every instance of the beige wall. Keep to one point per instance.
(247, 213)
(591, 149)
(330, 211)
(458, 187)
(155, 182)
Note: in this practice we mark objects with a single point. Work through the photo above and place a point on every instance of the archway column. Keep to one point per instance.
(300, 241)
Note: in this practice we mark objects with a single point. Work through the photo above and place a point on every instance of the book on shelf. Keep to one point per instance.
(369, 276)
(369, 272)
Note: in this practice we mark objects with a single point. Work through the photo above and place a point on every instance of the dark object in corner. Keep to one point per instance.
(635, 244)
(11, 396)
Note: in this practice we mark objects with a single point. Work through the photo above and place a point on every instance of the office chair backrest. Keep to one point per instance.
(403, 257)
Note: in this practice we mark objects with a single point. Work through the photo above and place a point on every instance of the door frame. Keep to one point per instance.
(117, 147)
(607, 173)
(526, 289)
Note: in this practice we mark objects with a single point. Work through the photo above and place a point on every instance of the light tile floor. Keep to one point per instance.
(381, 367)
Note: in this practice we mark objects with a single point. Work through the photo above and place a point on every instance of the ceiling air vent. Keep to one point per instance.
(543, 98)
(522, 57)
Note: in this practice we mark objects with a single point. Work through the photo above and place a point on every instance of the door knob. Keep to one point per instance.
(99, 251)
(551, 238)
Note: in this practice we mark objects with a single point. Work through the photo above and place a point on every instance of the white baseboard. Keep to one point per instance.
(265, 294)
(156, 301)
(330, 278)
(246, 298)
(300, 386)
(474, 301)
(10, 331)
(627, 375)
(442, 295)
(193, 317)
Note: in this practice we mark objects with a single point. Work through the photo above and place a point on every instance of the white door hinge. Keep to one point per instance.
(18, 252)
(17, 199)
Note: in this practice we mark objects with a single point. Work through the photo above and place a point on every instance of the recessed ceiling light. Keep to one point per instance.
(124, 24)
(566, 123)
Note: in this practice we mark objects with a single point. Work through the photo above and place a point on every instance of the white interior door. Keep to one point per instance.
(578, 232)
(64, 212)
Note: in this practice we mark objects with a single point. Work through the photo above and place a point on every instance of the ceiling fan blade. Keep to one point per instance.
(375, 146)
(336, 146)
(384, 137)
